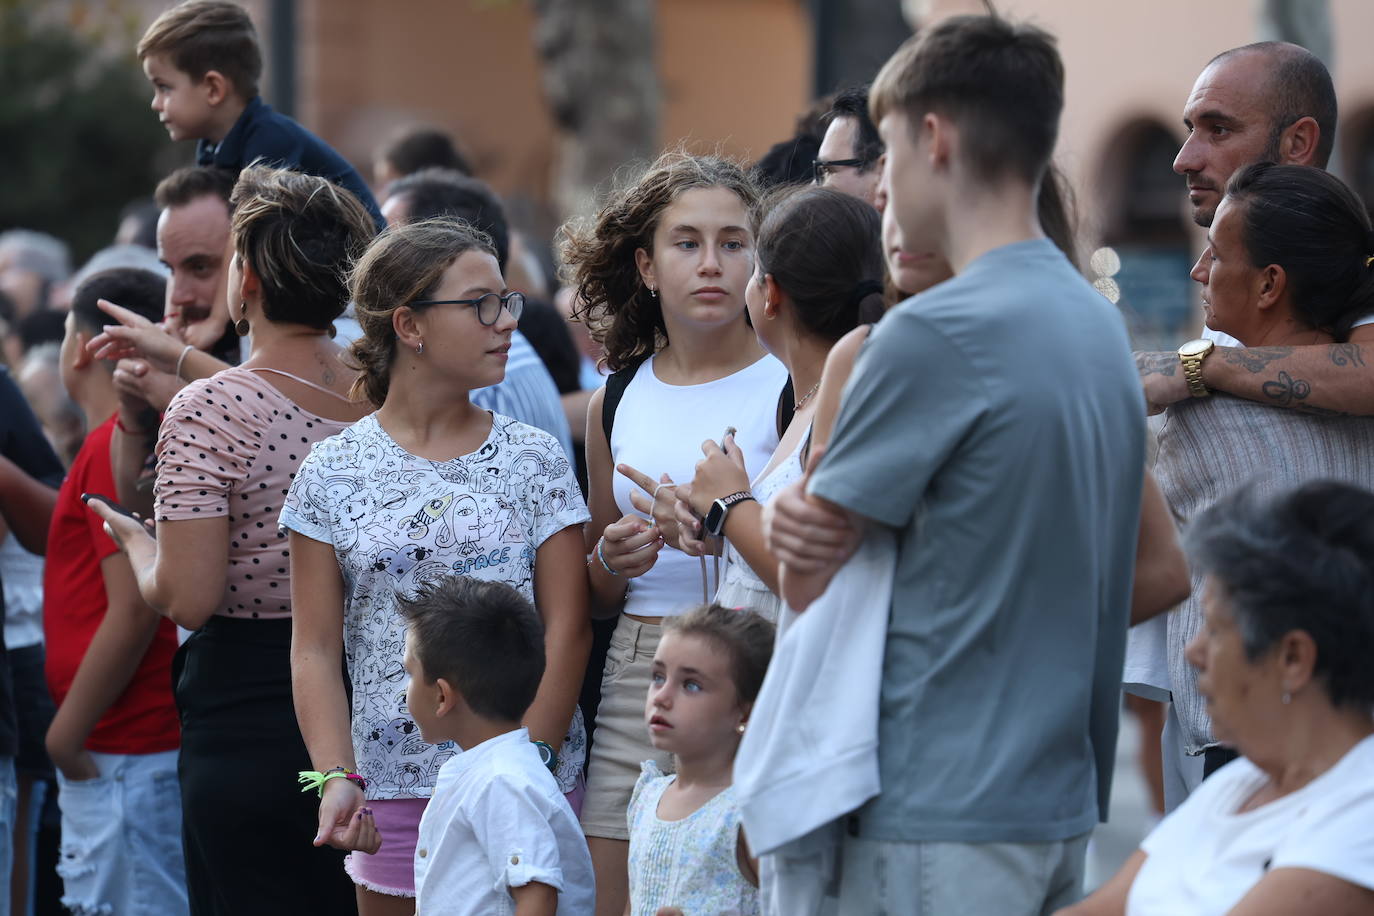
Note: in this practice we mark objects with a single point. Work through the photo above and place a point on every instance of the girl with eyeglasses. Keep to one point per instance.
(428, 486)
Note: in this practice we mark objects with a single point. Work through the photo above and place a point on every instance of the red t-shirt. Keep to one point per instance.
(143, 720)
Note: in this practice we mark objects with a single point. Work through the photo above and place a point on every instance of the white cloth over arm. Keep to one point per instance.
(810, 754)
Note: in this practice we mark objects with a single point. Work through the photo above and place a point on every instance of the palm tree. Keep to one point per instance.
(600, 79)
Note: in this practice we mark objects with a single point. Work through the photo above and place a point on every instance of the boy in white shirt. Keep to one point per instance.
(497, 837)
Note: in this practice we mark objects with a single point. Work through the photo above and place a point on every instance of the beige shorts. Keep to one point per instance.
(620, 742)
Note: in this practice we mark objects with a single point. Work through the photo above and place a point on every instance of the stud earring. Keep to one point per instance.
(740, 728)
(1286, 698)
(241, 326)
(420, 348)
(653, 292)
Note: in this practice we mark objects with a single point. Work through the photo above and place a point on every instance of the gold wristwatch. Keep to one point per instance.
(1191, 356)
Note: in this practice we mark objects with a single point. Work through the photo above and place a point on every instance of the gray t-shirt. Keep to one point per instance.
(997, 422)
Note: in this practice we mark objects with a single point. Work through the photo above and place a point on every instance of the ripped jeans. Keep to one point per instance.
(121, 838)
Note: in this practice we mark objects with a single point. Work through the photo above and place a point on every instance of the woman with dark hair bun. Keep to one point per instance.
(1283, 663)
(1287, 258)
(1287, 263)
(818, 270)
(227, 449)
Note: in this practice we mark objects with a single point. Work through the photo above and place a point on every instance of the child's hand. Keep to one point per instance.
(360, 834)
(345, 820)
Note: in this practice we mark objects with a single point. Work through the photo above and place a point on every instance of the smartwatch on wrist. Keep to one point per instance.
(715, 517)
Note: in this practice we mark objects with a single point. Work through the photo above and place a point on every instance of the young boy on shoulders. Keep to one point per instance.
(114, 739)
(498, 836)
(203, 59)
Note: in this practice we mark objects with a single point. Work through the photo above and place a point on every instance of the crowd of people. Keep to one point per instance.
(789, 555)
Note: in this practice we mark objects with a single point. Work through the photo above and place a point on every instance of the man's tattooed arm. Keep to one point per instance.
(1253, 360)
(1156, 363)
(1327, 379)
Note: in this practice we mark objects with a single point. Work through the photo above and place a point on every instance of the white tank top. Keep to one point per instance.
(659, 428)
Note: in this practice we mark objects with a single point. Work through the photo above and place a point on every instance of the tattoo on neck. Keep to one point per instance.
(1347, 354)
(1256, 359)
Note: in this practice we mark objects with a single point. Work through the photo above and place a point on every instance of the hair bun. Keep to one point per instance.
(863, 289)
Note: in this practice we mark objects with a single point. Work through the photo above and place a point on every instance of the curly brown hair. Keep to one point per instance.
(405, 263)
(598, 255)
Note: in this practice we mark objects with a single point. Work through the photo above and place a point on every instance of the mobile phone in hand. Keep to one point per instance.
(88, 497)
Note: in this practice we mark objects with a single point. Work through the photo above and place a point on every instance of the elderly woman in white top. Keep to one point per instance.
(1283, 662)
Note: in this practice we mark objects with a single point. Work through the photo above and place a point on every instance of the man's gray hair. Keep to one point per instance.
(135, 256)
(43, 254)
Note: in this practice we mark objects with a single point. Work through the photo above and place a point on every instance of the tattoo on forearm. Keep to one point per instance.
(1148, 363)
(1285, 390)
(1347, 354)
(1255, 360)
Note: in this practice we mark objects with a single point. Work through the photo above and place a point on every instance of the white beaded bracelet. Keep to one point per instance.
(182, 358)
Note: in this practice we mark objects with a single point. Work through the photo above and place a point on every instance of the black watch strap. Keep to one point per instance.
(715, 519)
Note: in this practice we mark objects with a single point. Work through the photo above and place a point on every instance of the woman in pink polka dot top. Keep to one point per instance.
(227, 450)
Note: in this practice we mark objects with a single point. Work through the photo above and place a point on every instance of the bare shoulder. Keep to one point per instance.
(840, 361)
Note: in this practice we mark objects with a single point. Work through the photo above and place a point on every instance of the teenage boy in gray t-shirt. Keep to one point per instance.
(996, 422)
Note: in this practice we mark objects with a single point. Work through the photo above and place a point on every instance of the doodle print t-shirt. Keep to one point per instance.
(397, 521)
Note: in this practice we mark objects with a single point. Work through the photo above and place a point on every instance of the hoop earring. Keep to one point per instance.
(241, 326)
(420, 348)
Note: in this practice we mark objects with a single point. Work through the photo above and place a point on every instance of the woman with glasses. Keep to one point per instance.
(226, 449)
(428, 486)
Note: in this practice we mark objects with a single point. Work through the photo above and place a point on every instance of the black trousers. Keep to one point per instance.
(246, 827)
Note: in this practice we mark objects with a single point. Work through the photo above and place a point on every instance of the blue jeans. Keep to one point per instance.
(9, 800)
(121, 838)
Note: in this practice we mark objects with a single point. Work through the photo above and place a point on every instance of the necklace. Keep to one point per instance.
(808, 396)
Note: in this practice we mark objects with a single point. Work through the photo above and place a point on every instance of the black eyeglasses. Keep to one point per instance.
(822, 167)
(488, 307)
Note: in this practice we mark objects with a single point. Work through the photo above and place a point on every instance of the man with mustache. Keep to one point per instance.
(193, 241)
(1273, 102)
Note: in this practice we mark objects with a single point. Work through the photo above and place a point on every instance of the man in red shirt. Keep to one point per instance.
(109, 659)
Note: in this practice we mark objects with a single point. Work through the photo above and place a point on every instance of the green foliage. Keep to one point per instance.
(77, 138)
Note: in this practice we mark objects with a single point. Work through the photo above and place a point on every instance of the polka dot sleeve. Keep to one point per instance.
(205, 446)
